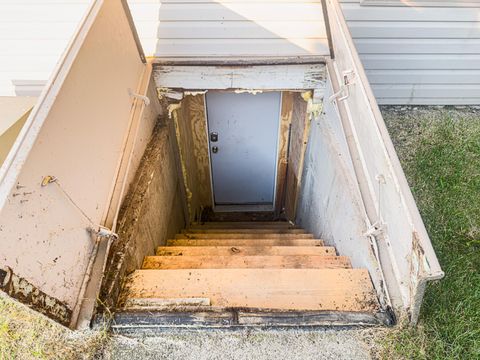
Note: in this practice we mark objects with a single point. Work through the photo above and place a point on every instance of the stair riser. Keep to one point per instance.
(244, 250)
(244, 242)
(252, 262)
(243, 236)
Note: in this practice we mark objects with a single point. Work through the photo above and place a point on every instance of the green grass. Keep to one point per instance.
(24, 335)
(440, 153)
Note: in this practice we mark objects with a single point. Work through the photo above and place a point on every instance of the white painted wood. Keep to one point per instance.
(285, 77)
(407, 257)
(44, 236)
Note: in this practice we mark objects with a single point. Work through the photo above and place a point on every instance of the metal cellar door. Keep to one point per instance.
(59, 182)
(243, 137)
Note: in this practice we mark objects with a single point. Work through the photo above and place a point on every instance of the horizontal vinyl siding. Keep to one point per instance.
(422, 55)
(230, 28)
(34, 33)
(33, 36)
(418, 55)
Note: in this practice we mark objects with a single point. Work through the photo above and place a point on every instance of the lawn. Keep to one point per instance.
(440, 153)
(25, 335)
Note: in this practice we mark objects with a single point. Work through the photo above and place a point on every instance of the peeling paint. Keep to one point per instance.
(169, 93)
(27, 293)
(248, 91)
(195, 93)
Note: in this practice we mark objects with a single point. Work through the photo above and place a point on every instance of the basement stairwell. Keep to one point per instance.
(246, 273)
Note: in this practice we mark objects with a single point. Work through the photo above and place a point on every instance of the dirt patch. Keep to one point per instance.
(150, 212)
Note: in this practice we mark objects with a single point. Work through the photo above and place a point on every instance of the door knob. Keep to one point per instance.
(214, 149)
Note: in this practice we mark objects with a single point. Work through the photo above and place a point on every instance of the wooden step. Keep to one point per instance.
(247, 262)
(242, 236)
(284, 289)
(243, 231)
(244, 250)
(243, 224)
(244, 242)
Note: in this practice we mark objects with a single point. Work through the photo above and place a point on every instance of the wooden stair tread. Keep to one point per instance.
(243, 224)
(284, 289)
(249, 261)
(243, 231)
(243, 250)
(242, 236)
(244, 242)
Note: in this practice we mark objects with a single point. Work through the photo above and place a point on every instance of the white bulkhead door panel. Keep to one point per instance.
(406, 255)
(75, 135)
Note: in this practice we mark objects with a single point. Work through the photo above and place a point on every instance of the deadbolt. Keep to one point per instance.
(214, 149)
(214, 137)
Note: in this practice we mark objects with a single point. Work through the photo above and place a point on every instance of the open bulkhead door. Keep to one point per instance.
(403, 248)
(62, 181)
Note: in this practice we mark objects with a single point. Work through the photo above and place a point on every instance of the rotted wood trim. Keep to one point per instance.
(243, 61)
(125, 322)
(300, 130)
(282, 161)
(28, 294)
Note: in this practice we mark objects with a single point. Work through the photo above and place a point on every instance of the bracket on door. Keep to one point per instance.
(344, 92)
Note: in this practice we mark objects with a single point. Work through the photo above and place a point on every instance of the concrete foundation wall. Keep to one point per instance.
(151, 213)
(330, 205)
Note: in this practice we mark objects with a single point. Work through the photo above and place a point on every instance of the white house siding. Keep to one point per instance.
(230, 28)
(418, 55)
(421, 55)
(33, 35)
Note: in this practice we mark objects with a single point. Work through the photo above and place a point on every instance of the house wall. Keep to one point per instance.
(214, 28)
(412, 55)
(418, 54)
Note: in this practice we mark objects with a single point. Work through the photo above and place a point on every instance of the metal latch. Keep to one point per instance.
(344, 92)
(144, 98)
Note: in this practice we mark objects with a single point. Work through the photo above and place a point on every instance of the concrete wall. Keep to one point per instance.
(330, 205)
(151, 213)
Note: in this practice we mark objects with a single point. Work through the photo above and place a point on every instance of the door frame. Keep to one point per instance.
(246, 207)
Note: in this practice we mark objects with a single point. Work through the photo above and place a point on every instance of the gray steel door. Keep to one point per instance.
(243, 137)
